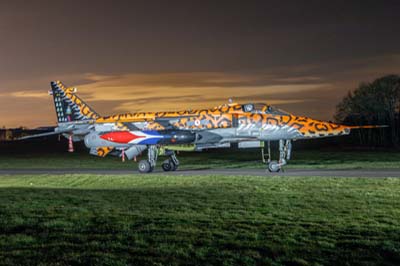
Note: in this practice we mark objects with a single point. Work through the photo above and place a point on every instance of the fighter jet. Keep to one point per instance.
(164, 133)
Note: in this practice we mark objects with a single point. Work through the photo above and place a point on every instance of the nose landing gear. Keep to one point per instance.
(285, 149)
(274, 166)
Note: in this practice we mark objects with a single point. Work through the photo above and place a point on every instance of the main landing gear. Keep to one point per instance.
(285, 149)
(170, 164)
(147, 166)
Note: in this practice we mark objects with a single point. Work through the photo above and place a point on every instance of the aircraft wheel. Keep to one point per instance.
(144, 167)
(167, 165)
(174, 166)
(273, 166)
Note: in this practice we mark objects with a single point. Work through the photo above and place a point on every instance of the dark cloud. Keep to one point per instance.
(249, 45)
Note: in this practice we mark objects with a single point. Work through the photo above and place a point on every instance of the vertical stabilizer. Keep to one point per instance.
(69, 107)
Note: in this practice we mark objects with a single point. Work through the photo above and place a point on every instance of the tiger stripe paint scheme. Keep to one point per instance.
(260, 117)
(223, 116)
(65, 99)
(103, 151)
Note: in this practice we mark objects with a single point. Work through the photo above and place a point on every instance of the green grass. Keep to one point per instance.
(221, 159)
(198, 220)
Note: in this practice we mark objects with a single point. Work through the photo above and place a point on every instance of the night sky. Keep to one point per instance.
(302, 56)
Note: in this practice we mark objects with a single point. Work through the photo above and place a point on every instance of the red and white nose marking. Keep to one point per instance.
(121, 137)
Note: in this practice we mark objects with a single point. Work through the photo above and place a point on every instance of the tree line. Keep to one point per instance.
(375, 103)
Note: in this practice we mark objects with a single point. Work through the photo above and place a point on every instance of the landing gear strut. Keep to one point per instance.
(285, 149)
(147, 166)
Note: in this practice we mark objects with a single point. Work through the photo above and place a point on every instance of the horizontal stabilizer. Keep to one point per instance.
(51, 133)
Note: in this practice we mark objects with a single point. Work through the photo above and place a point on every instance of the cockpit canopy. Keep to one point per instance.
(262, 108)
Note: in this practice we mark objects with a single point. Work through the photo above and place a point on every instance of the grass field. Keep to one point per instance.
(214, 159)
(198, 220)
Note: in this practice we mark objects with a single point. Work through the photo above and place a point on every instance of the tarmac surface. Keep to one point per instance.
(369, 173)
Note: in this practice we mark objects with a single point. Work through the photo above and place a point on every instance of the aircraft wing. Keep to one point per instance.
(51, 133)
(38, 135)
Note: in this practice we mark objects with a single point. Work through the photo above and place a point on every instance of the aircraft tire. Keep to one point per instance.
(273, 167)
(144, 167)
(174, 166)
(167, 165)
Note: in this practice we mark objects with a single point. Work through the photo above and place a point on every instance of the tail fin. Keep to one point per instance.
(69, 107)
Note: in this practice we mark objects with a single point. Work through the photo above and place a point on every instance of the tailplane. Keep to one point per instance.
(69, 107)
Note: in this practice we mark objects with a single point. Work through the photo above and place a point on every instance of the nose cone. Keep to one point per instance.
(311, 128)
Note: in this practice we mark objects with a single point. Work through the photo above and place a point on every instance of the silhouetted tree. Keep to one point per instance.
(373, 103)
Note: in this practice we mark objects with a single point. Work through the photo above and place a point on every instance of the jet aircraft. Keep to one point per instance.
(163, 133)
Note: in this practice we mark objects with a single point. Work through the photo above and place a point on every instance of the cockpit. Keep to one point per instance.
(262, 108)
